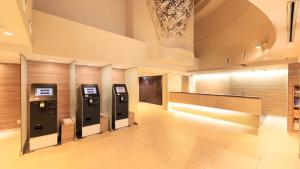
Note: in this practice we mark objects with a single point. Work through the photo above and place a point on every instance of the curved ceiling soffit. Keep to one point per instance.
(231, 21)
(223, 22)
(205, 7)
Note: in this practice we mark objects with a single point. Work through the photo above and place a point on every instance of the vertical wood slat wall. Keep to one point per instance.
(118, 76)
(272, 90)
(44, 72)
(9, 96)
(293, 79)
(88, 75)
(54, 73)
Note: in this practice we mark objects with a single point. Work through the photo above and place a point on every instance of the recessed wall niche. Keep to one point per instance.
(53, 73)
(9, 96)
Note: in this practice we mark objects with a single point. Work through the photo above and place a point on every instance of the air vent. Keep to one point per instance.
(292, 18)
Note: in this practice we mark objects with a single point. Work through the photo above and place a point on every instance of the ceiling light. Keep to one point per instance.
(258, 46)
(7, 33)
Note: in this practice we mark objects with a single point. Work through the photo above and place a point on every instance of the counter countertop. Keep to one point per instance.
(227, 95)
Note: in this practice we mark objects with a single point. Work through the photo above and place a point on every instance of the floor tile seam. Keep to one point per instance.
(215, 156)
(123, 155)
(260, 159)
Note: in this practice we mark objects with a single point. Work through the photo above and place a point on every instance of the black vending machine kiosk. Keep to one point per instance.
(119, 106)
(88, 112)
(42, 116)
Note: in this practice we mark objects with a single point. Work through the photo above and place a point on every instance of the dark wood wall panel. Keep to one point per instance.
(9, 96)
(54, 73)
(150, 89)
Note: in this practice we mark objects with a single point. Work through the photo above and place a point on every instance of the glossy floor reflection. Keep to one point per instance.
(165, 140)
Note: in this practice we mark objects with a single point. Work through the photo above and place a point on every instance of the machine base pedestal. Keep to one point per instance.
(121, 123)
(90, 130)
(42, 141)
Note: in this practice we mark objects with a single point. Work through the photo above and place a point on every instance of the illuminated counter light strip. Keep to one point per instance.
(237, 109)
(208, 120)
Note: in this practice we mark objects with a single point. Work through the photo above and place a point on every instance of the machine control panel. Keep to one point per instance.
(120, 106)
(43, 109)
(88, 113)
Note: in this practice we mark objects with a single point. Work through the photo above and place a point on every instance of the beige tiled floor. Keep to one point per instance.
(165, 140)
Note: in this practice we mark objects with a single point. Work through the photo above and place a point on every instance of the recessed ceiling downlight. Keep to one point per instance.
(258, 46)
(7, 33)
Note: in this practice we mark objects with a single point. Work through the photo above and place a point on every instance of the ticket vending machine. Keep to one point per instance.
(119, 106)
(88, 111)
(42, 116)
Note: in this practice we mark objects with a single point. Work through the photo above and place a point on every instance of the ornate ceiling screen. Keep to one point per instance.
(170, 17)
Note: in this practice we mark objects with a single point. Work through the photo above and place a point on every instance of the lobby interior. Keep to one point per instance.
(149, 84)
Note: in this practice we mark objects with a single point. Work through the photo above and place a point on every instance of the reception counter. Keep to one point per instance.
(239, 109)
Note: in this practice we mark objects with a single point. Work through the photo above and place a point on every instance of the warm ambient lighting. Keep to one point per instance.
(204, 109)
(7, 33)
(51, 60)
(200, 118)
(243, 74)
(212, 76)
(7, 134)
(266, 57)
(261, 73)
(258, 46)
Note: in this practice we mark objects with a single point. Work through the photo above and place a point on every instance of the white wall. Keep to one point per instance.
(106, 88)
(108, 15)
(79, 41)
(132, 84)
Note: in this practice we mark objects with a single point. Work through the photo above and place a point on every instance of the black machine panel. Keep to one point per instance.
(88, 112)
(43, 109)
(120, 103)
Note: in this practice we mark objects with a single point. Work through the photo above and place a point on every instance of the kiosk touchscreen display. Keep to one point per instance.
(44, 92)
(90, 90)
(120, 90)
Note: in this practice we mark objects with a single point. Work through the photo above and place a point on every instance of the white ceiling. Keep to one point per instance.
(12, 21)
(273, 10)
(276, 10)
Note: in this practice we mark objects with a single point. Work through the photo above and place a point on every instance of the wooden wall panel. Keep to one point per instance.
(54, 73)
(118, 76)
(217, 85)
(272, 88)
(89, 75)
(9, 96)
(150, 89)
